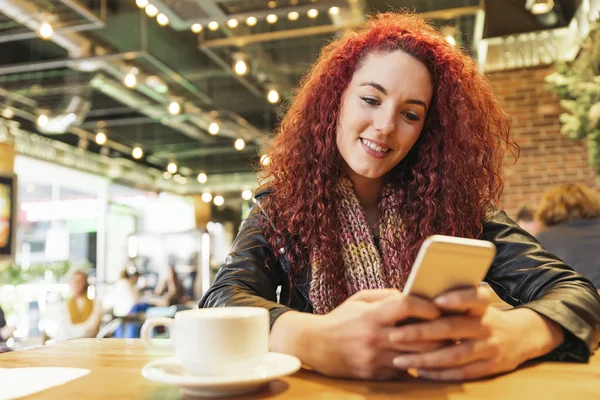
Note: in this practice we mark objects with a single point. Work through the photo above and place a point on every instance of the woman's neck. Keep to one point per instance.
(367, 191)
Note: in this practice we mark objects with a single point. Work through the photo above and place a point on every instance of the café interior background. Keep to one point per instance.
(131, 130)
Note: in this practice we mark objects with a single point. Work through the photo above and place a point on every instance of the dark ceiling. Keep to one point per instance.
(197, 68)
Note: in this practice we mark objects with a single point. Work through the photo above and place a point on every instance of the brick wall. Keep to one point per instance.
(547, 157)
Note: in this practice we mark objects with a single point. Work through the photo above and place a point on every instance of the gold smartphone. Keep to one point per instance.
(447, 262)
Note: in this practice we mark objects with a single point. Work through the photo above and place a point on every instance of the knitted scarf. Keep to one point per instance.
(365, 266)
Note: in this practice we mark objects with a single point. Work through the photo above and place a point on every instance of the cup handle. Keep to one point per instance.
(147, 328)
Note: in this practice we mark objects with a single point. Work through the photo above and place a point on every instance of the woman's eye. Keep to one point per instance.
(412, 116)
(370, 101)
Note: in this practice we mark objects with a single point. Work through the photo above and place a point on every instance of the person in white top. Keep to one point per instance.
(124, 295)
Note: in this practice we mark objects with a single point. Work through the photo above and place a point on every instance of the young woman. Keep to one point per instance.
(394, 136)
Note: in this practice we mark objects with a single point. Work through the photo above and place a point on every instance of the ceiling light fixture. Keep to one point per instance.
(202, 178)
(174, 108)
(233, 23)
(239, 144)
(101, 138)
(42, 120)
(213, 128)
(240, 65)
(151, 11)
(539, 7)
(247, 194)
(162, 19)
(251, 21)
(312, 13)
(172, 167)
(273, 96)
(213, 25)
(219, 201)
(196, 28)
(272, 18)
(293, 15)
(45, 31)
(206, 197)
(334, 10)
(137, 152)
(130, 80)
(141, 3)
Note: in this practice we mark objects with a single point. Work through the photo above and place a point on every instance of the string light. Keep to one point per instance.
(265, 160)
(206, 197)
(42, 120)
(293, 15)
(130, 80)
(45, 30)
(233, 23)
(251, 21)
(151, 11)
(334, 10)
(167, 175)
(219, 201)
(196, 28)
(273, 96)
(202, 178)
(312, 13)
(213, 128)
(213, 25)
(101, 138)
(272, 18)
(137, 152)
(8, 113)
(239, 144)
(162, 19)
(240, 67)
(540, 7)
(174, 108)
(272, 4)
(247, 195)
(172, 167)
(141, 3)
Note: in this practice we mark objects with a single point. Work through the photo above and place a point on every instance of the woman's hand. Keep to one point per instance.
(353, 340)
(489, 341)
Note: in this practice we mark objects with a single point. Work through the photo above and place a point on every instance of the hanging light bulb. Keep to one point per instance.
(334, 10)
(312, 13)
(206, 197)
(167, 175)
(272, 4)
(101, 138)
(162, 19)
(293, 15)
(8, 113)
(130, 80)
(174, 108)
(151, 11)
(247, 195)
(239, 144)
(233, 23)
(141, 3)
(449, 33)
(272, 18)
(539, 7)
(196, 28)
(240, 67)
(137, 152)
(213, 25)
(219, 201)
(45, 31)
(265, 160)
(273, 96)
(202, 178)
(172, 167)
(251, 21)
(213, 128)
(41, 120)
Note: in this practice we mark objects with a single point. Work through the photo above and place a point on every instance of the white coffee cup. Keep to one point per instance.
(214, 341)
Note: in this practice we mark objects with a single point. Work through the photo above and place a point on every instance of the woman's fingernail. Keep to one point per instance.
(402, 362)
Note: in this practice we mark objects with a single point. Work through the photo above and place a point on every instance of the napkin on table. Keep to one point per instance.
(21, 382)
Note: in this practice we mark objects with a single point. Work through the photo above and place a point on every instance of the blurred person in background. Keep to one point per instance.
(570, 214)
(81, 316)
(169, 289)
(124, 294)
(6, 331)
(526, 220)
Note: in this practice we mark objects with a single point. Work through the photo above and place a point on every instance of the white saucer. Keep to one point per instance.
(170, 371)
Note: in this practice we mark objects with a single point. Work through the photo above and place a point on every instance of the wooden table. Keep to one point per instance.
(115, 374)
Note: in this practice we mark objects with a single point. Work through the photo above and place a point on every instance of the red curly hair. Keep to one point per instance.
(446, 183)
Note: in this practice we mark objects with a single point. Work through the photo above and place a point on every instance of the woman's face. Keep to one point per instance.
(382, 114)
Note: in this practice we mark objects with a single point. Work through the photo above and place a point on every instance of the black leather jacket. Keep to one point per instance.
(523, 274)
